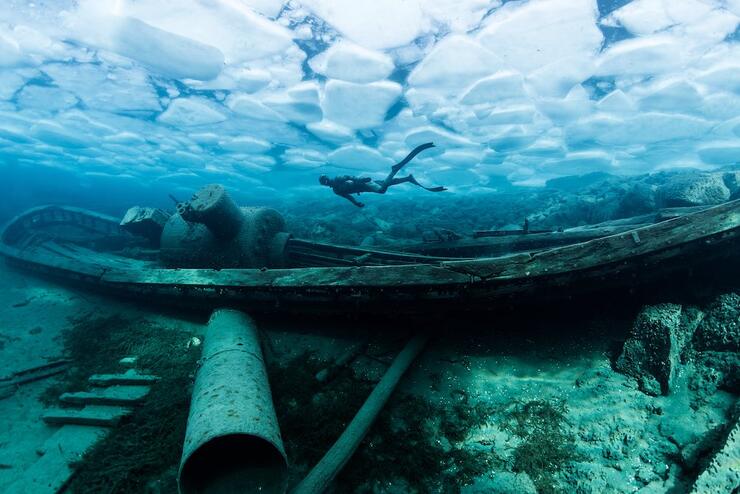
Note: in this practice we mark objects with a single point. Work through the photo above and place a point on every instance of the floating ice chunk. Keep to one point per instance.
(440, 137)
(505, 115)
(114, 90)
(724, 75)
(251, 80)
(424, 101)
(458, 16)
(643, 56)
(720, 153)
(166, 53)
(582, 162)
(528, 35)
(359, 157)
(640, 17)
(246, 144)
(270, 8)
(455, 63)
(190, 111)
(504, 84)
(45, 98)
(575, 105)
(247, 106)
(10, 52)
(545, 147)
(511, 138)
(56, 135)
(556, 79)
(305, 92)
(359, 106)
(643, 128)
(348, 62)
(234, 29)
(720, 106)
(672, 95)
(461, 157)
(616, 102)
(11, 81)
(377, 24)
(330, 131)
(296, 111)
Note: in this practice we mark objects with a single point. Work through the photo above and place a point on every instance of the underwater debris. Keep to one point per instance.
(144, 449)
(232, 441)
(652, 351)
(425, 434)
(546, 445)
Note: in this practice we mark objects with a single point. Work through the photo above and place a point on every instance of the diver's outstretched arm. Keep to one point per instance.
(352, 200)
(411, 155)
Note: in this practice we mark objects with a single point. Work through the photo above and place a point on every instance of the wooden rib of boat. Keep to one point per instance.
(625, 259)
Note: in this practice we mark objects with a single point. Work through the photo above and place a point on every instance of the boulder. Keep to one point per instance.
(638, 199)
(720, 328)
(732, 181)
(694, 190)
(651, 354)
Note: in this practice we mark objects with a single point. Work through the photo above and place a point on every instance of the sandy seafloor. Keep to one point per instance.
(626, 440)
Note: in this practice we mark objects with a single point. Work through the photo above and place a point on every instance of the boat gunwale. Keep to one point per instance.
(672, 233)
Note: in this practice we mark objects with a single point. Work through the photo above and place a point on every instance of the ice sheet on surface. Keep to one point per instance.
(234, 89)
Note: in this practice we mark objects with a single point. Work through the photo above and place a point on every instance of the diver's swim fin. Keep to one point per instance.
(430, 189)
(418, 149)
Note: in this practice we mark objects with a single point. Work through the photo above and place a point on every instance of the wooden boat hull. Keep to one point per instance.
(623, 261)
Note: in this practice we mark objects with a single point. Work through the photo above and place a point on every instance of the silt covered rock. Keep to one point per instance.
(720, 329)
(694, 190)
(651, 353)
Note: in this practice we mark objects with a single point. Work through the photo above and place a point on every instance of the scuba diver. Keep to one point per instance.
(347, 185)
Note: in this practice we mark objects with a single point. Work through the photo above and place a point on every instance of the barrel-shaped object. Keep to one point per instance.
(259, 242)
(232, 441)
(213, 207)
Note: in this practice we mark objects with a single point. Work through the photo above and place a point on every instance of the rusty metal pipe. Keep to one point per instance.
(232, 441)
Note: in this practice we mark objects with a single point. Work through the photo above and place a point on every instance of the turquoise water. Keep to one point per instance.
(544, 115)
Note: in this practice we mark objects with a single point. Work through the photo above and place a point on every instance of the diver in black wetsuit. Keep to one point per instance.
(347, 185)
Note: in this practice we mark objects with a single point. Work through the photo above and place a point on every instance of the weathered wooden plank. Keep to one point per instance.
(104, 416)
(112, 396)
(129, 378)
(50, 473)
(602, 258)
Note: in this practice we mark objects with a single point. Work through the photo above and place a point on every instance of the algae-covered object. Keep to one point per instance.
(232, 441)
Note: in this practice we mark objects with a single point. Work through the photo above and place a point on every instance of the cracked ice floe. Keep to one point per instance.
(246, 144)
(374, 24)
(528, 35)
(720, 152)
(470, 60)
(358, 106)
(353, 63)
(191, 111)
(361, 157)
(528, 89)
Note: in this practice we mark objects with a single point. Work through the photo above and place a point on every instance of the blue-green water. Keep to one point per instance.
(560, 113)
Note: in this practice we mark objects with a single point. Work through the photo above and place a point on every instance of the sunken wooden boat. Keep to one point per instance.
(291, 275)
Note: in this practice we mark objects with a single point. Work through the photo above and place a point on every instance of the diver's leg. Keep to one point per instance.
(397, 167)
(418, 149)
(412, 180)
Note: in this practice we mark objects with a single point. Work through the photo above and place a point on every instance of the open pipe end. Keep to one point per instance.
(234, 463)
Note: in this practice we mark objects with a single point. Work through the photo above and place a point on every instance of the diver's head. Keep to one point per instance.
(324, 180)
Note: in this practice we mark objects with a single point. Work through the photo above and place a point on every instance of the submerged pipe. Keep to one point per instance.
(232, 441)
(322, 475)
